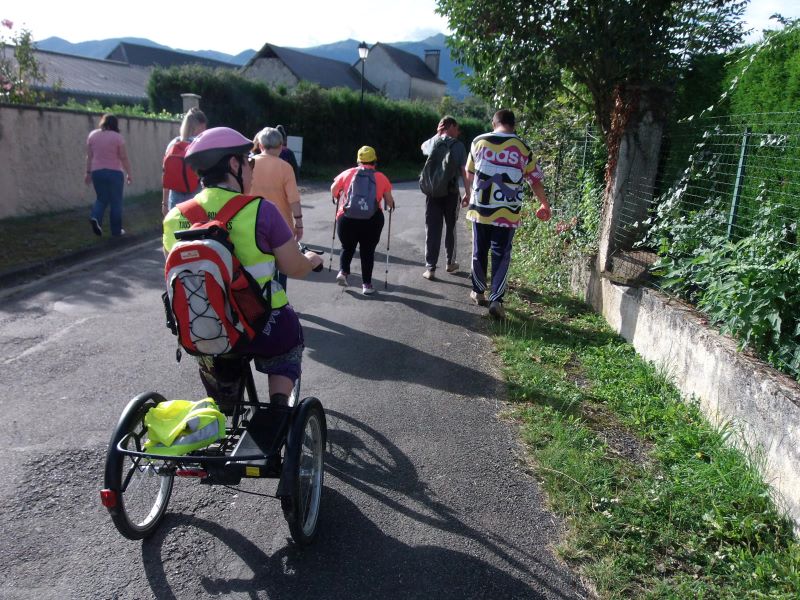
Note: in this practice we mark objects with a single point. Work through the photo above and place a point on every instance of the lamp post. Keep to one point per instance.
(363, 52)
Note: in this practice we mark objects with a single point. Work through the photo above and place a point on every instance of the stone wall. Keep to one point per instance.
(43, 157)
(759, 403)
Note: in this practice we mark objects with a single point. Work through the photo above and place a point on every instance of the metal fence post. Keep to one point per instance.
(737, 187)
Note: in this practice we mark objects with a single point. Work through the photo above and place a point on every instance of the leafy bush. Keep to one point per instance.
(330, 121)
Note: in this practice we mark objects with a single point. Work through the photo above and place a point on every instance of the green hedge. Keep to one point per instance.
(328, 120)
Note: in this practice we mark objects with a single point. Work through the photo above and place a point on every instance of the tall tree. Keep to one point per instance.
(621, 58)
(519, 50)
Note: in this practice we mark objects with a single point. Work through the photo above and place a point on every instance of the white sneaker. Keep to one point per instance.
(429, 274)
(478, 298)
(367, 289)
(341, 279)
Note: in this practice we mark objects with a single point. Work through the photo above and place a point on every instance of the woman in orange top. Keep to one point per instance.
(359, 231)
(273, 180)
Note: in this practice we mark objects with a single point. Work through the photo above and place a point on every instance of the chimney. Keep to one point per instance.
(432, 60)
(190, 101)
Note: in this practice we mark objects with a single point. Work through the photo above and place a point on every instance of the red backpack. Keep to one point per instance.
(177, 175)
(213, 304)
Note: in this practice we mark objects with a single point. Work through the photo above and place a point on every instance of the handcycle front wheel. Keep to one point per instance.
(304, 457)
(137, 490)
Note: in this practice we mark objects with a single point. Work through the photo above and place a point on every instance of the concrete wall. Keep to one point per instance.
(43, 157)
(762, 404)
(272, 71)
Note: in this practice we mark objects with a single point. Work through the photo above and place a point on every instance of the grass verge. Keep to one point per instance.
(57, 234)
(658, 504)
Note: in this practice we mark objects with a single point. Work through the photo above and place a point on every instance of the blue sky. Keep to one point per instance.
(242, 25)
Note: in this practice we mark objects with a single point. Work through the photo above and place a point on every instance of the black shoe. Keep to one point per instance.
(96, 226)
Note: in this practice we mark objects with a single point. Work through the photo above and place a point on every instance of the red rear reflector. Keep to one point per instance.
(108, 498)
(191, 473)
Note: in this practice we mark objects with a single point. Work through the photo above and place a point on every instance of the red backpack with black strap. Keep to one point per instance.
(176, 174)
(216, 307)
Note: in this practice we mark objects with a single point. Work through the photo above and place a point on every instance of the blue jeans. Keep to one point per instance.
(108, 184)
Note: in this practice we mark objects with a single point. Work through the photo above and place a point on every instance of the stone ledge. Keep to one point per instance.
(761, 404)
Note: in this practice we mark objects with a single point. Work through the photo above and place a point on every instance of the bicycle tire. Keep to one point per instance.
(142, 488)
(305, 450)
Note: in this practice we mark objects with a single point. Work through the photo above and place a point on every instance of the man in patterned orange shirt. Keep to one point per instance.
(497, 165)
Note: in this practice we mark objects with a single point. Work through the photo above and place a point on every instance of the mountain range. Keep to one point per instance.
(345, 50)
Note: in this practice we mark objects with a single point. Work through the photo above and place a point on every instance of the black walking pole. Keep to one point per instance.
(388, 239)
(333, 236)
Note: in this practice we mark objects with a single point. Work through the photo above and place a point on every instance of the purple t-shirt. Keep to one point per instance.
(271, 228)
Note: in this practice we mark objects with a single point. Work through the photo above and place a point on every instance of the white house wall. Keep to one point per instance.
(382, 72)
(271, 71)
(426, 90)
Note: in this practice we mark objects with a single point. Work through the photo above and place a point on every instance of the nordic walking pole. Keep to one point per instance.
(333, 236)
(388, 239)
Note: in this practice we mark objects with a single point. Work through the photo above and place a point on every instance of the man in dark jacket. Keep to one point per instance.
(444, 209)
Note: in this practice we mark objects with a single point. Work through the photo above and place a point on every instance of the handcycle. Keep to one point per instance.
(138, 484)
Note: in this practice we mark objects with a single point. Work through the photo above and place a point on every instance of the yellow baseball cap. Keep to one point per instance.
(366, 154)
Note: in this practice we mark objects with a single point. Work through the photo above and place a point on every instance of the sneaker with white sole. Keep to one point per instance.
(367, 289)
(496, 310)
(452, 267)
(341, 279)
(478, 298)
(96, 226)
(429, 274)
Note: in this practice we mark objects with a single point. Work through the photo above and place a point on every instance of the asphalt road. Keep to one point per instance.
(425, 496)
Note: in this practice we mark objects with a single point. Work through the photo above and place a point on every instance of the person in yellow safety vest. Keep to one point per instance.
(177, 427)
(263, 243)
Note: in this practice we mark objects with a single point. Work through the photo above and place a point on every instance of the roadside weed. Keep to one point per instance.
(657, 501)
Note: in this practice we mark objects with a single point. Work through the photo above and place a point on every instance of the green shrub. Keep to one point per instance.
(330, 121)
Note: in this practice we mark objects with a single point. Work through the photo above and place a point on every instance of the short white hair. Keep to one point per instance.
(269, 137)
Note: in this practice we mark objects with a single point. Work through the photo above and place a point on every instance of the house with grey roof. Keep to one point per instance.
(276, 66)
(69, 76)
(401, 75)
(150, 56)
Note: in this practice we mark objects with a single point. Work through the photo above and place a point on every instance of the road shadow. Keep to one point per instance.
(345, 349)
(350, 559)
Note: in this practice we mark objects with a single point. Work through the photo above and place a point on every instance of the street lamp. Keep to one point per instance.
(363, 52)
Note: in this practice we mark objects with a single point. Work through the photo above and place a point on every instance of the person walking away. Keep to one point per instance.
(179, 182)
(498, 163)
(447, 158)
(262, 241)
(287, 154)
(107, 168)
(358, 193)
(274, 180)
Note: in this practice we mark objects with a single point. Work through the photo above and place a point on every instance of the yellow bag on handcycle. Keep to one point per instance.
(177, 427)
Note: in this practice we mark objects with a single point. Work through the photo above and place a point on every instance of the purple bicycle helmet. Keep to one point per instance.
(214, 144)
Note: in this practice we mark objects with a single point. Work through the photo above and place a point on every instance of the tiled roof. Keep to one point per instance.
(149, 56)
(325, 72)
(69, 74)
(412, 64)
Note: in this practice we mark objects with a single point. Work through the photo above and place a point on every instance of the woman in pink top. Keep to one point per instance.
(107, 166)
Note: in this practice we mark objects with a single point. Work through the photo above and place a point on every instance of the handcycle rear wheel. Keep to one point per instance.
(141, 487)
(305, 449)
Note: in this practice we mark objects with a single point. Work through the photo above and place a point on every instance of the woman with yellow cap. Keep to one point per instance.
(358, 193)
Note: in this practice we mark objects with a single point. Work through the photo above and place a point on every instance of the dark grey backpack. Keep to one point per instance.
(438, 176)
(361, 201)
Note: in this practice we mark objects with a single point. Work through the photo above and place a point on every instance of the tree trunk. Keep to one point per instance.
(634, 145)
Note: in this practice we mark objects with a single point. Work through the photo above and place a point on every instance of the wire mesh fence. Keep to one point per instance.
(717, 227)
